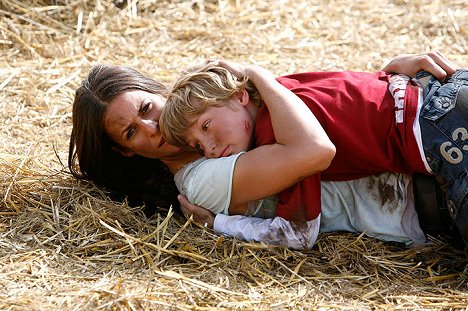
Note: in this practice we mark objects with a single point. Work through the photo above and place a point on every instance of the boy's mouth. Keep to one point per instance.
(225, 152)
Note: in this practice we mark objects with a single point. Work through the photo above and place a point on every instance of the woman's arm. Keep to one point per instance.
(302, 149)
(272, 231)
(410, 64)
(346, 206)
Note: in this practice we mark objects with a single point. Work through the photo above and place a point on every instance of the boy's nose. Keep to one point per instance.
(208, 148)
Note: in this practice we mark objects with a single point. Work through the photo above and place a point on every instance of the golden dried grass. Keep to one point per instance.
(65, 245)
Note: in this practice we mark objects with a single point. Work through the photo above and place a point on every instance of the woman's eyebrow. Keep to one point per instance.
(142, 105)
(140, 108)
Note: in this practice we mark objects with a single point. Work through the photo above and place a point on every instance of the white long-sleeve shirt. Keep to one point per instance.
(274, 231)
(381, 206)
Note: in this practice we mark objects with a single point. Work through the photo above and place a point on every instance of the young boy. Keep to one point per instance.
(377, 121)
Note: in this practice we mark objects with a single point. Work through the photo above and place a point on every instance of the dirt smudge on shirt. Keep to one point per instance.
(383, 190)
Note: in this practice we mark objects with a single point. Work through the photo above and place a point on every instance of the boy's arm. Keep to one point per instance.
(302, 147)
(410, 64)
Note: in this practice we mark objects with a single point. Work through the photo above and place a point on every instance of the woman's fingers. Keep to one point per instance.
(198, 213)
(185, 206)
(236, 69)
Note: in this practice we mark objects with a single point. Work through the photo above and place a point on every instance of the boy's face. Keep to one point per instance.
(222, 131)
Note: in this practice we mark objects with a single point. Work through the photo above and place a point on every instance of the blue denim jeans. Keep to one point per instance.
(444, 131)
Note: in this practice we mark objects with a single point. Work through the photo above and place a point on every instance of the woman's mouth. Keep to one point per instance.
(161, 142)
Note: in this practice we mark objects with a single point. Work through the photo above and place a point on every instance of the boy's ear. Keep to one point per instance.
(124, 152)
(243, 97)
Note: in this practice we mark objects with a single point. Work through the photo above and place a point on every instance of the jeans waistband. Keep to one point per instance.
(423, 81)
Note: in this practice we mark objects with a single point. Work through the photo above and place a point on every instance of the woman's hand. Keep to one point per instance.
(410, 64)
(237, 69)
(200, 214)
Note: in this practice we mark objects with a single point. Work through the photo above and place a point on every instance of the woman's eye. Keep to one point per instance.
(130, 133)
(146, 107)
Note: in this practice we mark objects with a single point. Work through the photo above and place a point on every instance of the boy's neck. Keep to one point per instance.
(252, 110)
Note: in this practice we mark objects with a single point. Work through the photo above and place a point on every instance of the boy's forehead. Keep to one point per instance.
(190, 134)
(194, 120)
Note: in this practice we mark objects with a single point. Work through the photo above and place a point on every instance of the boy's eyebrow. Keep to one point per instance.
(186, 135)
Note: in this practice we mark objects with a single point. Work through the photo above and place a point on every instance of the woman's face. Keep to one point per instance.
(132, 121)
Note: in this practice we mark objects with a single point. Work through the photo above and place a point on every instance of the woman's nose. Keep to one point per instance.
(150, 126)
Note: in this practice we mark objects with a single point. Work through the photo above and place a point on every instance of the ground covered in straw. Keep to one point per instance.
(64, 245)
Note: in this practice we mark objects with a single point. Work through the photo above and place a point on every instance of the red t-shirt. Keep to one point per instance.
(371, 129)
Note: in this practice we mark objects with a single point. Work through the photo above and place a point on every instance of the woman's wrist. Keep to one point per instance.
(259, 75)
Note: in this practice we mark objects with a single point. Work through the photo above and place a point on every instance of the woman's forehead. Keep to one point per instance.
(134, 98)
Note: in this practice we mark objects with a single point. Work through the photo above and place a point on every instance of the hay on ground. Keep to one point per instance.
(65, 245)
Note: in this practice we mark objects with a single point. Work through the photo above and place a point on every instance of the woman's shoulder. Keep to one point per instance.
(208, 182)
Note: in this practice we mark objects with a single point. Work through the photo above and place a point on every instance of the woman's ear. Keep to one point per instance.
(124, 152)
(127, 153)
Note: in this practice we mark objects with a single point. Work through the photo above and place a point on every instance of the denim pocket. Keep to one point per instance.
(440, 100)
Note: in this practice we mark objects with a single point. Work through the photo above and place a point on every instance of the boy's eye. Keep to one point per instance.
(206, 125)
(198, 147)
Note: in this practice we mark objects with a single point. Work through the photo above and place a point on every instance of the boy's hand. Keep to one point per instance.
(410, 64)
(200, 215)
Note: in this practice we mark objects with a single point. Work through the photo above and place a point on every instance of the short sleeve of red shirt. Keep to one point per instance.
(300, 202)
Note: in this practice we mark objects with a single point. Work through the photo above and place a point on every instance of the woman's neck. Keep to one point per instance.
(176, 162)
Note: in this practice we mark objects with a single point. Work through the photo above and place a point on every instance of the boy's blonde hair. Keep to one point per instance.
(198, 88)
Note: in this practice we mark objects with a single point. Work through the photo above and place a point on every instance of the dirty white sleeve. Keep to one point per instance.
(273, 231)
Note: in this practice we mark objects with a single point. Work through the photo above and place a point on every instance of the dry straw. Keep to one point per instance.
(65, 245)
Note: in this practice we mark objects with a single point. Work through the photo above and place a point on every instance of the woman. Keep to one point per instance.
(99, 153)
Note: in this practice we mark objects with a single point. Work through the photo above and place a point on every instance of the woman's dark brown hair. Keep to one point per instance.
(93, 155)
